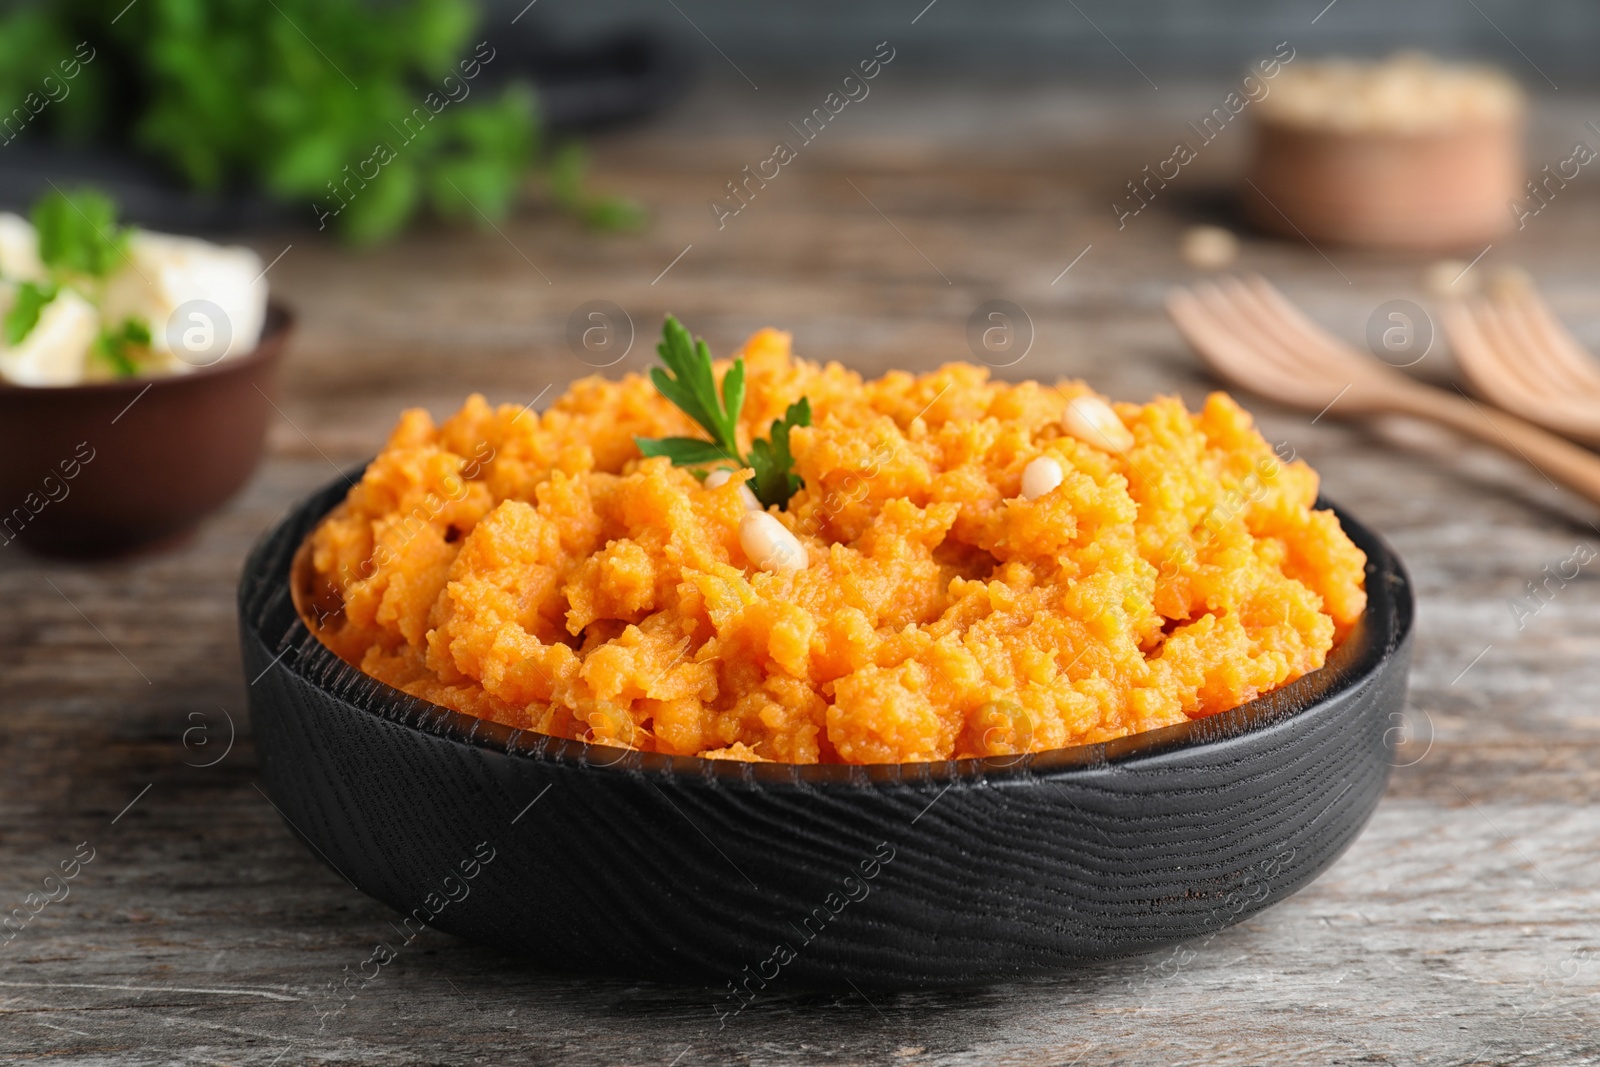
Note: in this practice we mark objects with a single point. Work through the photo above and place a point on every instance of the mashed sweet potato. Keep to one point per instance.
(533, 569)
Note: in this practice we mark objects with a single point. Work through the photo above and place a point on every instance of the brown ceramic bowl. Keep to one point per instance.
(1438, 190)
(112, 467)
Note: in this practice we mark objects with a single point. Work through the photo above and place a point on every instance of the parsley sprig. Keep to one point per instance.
(81, 244)
(23, 315)
(687, 380)
(79, 234)
(122, 348)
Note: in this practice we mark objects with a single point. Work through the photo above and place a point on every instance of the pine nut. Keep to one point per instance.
(719, 478)
(1091, 420)
(1039, 477)
(769, 545)
(1208, 247)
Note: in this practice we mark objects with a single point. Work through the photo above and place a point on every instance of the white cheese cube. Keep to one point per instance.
(55, 350)
(19, 250)
(168, 272)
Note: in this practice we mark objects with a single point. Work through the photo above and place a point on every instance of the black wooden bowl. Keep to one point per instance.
(752, 876)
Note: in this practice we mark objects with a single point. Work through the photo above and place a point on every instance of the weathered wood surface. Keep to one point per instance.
(1461, 929)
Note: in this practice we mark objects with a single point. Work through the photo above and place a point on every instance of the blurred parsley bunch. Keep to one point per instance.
(287, 94)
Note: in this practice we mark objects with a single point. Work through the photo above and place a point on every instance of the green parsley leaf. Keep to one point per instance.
(683, 451)
(294, 98)
(79, 233)
(24, 313)
(136, 332)
(599, 211)
(689, 383)
(775, 479)
(613, 213)
(693, 388)
(119, 347)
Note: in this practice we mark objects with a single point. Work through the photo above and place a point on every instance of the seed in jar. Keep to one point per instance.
(1039, 477)
(1446, 278)
(769, 545)
(1091, 420)
(1508, 282)
(1208, 247)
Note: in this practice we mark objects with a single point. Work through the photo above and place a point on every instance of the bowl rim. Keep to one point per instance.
(274, 327)
(1384, 628)
(1514, 124)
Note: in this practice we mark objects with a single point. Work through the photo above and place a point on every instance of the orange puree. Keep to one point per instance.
(534, 570)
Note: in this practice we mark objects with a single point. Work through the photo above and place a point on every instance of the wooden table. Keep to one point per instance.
(1460, 929)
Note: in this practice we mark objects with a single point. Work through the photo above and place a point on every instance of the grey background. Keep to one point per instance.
(1058, 38)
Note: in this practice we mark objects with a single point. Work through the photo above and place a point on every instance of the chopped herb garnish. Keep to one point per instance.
(118, 347)
(775, 478)
(24, 312)
(137, 331)
(79, 234)
(692, 387)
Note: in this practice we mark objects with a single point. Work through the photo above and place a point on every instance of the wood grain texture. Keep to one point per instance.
(1459, 929)
(1255, 340)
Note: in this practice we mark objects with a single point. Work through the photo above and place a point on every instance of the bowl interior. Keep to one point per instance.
(1382, 628)
(273, 330)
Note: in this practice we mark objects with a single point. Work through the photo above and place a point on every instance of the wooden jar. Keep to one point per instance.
(1430, 189)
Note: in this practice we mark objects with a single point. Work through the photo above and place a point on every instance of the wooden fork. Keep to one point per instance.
(1517, 354)
(1250, 334)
